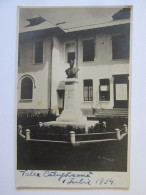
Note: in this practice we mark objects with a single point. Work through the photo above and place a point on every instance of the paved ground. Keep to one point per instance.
(109, 156)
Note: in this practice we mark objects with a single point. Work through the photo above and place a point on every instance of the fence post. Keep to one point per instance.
(20, 129)
(125, 128)
(86, 128)
(72, 137)
(40, 124)
(104, 125)
(118, 134)
(27, 133)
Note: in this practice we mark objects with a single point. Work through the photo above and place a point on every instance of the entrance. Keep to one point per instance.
(121, 91)
(60, 100)
(60, 96)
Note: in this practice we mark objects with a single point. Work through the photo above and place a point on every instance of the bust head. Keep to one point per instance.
(71, 72)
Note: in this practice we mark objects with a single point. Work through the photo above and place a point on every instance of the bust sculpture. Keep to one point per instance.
(71, 72)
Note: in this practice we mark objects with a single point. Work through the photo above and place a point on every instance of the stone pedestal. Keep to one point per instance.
(71, 112)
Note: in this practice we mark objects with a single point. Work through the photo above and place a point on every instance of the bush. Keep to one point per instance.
(33, 119)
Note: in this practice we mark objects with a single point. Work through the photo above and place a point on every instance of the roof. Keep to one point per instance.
(68, 19)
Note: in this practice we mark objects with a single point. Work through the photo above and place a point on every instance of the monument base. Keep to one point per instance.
(71, 112)
(81, 125)
(74, 116)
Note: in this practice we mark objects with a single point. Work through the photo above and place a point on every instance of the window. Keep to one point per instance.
(104, 90)
(70, 56)
(88, 50)
(122, 14)
(88, 90)
(38, 51)
(26, 88)
(35, 21)
(70, 52)
(120, 47)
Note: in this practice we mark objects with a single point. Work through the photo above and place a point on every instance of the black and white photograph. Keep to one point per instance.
(73, 96)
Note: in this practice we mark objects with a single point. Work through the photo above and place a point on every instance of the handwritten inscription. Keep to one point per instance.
(70, 178)
(104, 181)
(30, 173)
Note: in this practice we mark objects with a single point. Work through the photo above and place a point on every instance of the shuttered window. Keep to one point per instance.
(88, 50)
(38, 51)
(120, 47)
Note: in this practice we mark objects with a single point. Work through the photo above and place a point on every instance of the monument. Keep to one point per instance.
(72, 115)
(71, 112)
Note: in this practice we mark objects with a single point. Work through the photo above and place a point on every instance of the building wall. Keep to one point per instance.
(47, 75)
(58, 69)
(97, 73)
(40, 74)
(103, 67)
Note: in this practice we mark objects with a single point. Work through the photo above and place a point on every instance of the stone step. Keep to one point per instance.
(112, 112)
(115, 114)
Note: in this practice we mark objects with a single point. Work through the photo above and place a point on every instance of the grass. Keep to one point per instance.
(104, 156)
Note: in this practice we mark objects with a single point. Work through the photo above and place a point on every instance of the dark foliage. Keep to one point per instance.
(30, 119)
(111, 124)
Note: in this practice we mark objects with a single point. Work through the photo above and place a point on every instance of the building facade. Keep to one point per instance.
(101, 52)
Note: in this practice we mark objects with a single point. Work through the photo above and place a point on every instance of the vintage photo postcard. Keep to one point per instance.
(73, 84)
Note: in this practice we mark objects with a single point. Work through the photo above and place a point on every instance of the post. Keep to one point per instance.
(20, 129)
(118, 134)
(40, 124)
(86, 128)
(27, 133)
(72, 137)
(104, 125)
(125, 128)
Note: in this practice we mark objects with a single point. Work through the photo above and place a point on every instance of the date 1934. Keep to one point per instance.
(105, 181)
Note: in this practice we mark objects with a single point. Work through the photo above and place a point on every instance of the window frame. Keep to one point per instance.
(108, 90)
(34, 52)
(90, 91)
(66, 53)
(68, 56)
(89, 39)
(33, 86)
(128, 39)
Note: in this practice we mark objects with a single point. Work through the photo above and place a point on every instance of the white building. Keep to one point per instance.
(98, 39)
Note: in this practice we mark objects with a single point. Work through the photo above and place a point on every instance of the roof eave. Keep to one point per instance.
(107, 24)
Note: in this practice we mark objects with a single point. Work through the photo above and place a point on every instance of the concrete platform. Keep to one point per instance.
(85, 125)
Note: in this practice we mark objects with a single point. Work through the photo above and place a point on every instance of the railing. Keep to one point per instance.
(77, 138)
(121, 133)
